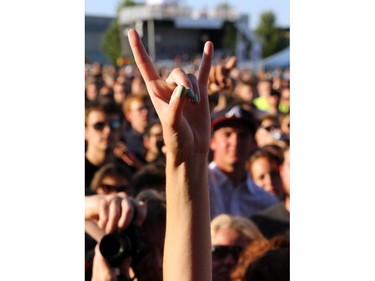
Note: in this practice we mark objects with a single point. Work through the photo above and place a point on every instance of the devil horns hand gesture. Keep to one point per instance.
(180, 101)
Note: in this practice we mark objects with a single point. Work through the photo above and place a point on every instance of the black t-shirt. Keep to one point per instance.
(90, 170)
(134, 141)
(273, 221)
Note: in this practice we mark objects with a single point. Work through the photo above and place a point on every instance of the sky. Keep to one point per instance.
(254, 8)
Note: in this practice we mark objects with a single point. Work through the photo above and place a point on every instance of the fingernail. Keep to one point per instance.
(192, 95)
(180, 92)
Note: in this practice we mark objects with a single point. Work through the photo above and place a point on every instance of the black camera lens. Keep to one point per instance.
(114, 247)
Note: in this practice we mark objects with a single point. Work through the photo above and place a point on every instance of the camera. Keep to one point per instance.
(117, 246)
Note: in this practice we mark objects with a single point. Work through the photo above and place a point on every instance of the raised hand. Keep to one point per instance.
(219, 78)
(180, 101)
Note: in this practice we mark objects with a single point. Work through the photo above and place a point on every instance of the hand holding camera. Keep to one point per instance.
(113, 221)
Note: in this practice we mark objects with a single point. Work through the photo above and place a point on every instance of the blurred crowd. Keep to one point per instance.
(248, 168)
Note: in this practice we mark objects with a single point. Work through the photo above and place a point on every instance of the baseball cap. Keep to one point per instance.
(234, 112)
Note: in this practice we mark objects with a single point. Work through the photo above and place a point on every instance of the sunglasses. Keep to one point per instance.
(99, 126)
(110, 188)
(270, 128)
(221, 252)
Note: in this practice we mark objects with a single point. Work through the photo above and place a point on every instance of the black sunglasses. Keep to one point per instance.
(221, 252)
(110, 188)
(99, 126)
(270, 128)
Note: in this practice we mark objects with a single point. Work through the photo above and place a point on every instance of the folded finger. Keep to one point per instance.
(127, 213)
(114, 215)
(179, 77)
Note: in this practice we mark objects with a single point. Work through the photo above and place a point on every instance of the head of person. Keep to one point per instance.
(264, 260)
(151, 177)
(102, 125)
(232, 140)
(264, 87)
(138, 86)
(273, 99)
(150, 265)
(285, 96)
(264, 170)
(153, 141)
(285, 125)
(119, 93)
(229, 236)
(244, 91)
(268, 131)
(111, 179)
(136, 112)
(285, 171)
(91, 90)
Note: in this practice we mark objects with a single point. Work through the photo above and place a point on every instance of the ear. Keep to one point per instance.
(128, 116)
(146, 142)
(213, 143)
(86, 133)
(100, 190)
(247, 165)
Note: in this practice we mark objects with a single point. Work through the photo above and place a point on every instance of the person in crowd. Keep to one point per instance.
(264, 170)
(138, 86)
(112, 178)
(232, 191)
(150, 176)
(273, 101)
(229, 236)
(285, 177)
(244, 90)
(104, 214)
(264, 260)
(153, 143)
(150, 265)
(268, 131)
(275, 220)
(182, 105)
(91, 90)
(264, 88)
(102, 124)
(284, 105)
(221, 84)
(285, 126)
(137, 114)
(119, 93)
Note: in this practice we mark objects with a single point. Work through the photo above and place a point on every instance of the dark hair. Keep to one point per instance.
(264, 260)
(149, 127)
(103, 104)
(149, 176)
(110, 169)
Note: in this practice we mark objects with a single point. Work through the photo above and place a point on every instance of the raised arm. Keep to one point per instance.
(182, 105)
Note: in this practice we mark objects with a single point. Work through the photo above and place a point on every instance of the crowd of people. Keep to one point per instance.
(190, 167)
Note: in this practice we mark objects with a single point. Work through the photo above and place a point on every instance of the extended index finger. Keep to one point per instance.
(231, 63)
(142, 59)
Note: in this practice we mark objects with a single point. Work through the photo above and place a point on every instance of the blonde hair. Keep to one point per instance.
(243, 225)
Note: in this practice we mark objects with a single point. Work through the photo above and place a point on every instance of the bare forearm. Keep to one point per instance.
(187, 253)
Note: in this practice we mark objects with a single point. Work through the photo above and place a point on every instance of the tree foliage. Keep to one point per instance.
(111, 42)
(273, 39)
